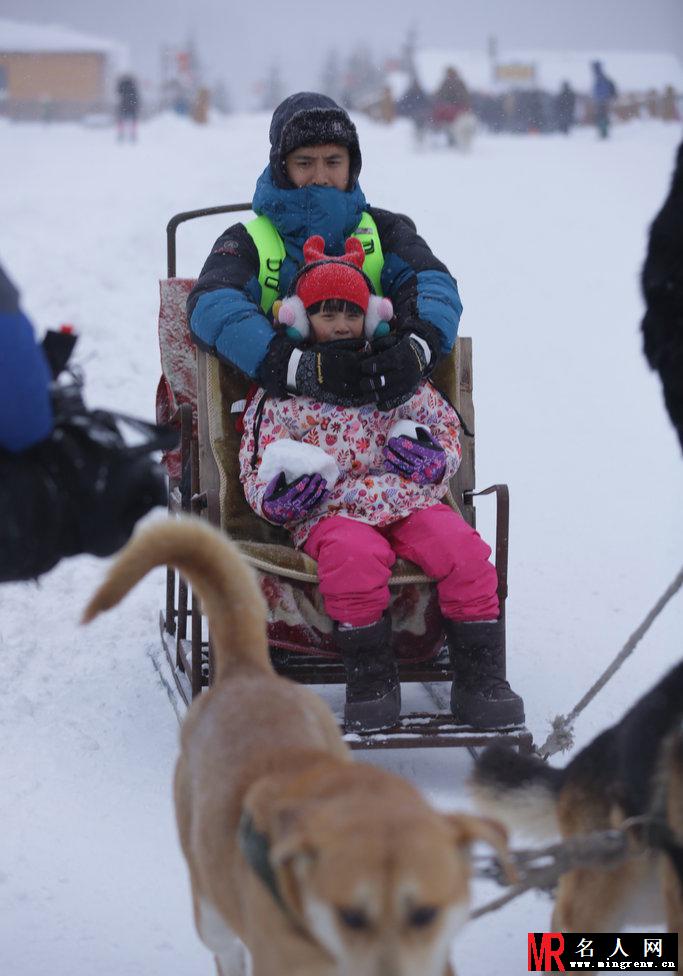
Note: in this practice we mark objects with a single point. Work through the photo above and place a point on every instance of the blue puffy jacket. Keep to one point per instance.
(25, 409)
(224, 306)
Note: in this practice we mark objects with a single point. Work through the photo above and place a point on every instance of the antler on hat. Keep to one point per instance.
(314, 251)
(326, 277)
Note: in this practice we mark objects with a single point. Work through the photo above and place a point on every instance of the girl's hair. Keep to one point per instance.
(334, 305)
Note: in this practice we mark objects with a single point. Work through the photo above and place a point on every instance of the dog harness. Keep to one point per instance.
(255, 848)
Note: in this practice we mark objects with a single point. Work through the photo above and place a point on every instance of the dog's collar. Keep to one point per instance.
(255, 846)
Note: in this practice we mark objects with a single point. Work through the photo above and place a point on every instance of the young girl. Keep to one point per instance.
(357, 487)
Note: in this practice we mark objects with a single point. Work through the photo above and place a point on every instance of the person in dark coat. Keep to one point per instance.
(415, 104)
(450, 100)
(565, 107)
(128, 108)
(604, 93)
(310, 186)
(662, 283)
(68, 484)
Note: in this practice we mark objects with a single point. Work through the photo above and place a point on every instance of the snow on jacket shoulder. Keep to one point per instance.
(354, 437)
(25, 408)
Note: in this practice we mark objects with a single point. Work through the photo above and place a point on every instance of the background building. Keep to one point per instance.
(47, 71)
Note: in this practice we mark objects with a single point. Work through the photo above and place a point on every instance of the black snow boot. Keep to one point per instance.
(480, 695)
(373, 691)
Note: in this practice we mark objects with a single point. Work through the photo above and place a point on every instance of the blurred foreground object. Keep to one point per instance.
(662, 282)
(69, 481)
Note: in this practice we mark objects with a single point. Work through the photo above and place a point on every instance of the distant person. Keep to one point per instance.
(565, 108)
(452, 110)
(128, 108)
(200, 108)
(452, 92)
(604, 93)
(415, 104)
(387, 106)
(669, 105)
(450, 102)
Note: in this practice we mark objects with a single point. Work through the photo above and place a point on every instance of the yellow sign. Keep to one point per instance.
(516, 71)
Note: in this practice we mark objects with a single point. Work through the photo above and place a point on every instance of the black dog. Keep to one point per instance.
(662, 282)
(634, 769)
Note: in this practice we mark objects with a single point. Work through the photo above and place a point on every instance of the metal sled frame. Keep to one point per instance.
(197, 492)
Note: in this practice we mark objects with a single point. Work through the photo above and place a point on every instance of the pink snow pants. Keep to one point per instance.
(355, 560)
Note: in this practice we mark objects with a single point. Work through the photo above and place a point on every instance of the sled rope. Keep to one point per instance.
(561, 737)
(541, 868)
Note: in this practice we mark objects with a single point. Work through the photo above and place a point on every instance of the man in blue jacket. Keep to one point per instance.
(310, 186)
(68, 482)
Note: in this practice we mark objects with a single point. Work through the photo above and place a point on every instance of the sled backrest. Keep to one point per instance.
(178, 382)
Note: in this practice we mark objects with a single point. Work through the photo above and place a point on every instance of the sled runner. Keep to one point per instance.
(205, 397)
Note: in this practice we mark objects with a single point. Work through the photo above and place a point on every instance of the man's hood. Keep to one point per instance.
(310, 119)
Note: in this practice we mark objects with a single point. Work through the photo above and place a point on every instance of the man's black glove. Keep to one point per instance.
(331, 371)
(398, 364)
(328, 371)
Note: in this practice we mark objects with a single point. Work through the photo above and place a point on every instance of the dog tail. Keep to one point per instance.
(217, 572)
(521, 790)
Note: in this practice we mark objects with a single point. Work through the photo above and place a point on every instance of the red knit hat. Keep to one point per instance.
(326, 277)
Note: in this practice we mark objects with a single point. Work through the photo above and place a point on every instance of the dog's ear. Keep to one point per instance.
(292, 852)
(467, 829)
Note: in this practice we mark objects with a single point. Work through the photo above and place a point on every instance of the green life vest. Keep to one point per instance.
(271, 252)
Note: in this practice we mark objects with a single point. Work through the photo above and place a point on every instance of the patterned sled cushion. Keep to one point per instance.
(178, 383)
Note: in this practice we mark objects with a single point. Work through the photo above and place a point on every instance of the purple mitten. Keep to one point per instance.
(284, 502)
(420, 459)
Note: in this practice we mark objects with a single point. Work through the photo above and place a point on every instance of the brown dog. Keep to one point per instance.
(632, 770)
(320, 866)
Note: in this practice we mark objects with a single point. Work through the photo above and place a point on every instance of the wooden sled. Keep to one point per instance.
(197, 392)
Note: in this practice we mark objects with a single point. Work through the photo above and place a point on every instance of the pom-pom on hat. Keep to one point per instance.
(326, 277)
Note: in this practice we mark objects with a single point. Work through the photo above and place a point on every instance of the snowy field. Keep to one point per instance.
(546, 237)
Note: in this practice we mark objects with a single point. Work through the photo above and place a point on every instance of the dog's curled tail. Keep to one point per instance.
(216, 570)
(521, 790)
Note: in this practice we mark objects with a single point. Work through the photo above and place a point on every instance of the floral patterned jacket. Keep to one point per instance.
(354, 437)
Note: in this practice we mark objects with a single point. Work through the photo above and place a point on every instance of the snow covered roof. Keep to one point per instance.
(635, 71)
(20, 37)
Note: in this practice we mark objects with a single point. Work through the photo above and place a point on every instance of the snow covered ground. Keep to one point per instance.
(546, 237)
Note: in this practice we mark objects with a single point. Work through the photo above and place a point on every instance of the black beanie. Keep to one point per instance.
(310, 119)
